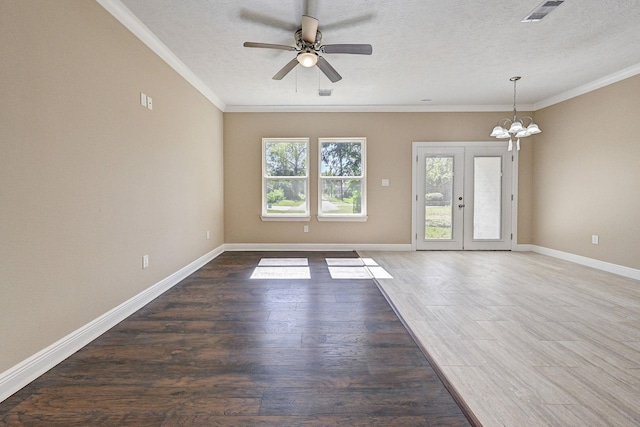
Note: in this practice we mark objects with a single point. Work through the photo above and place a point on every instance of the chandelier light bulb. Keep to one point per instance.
(498, 130)
(516, 127)
(533, 129)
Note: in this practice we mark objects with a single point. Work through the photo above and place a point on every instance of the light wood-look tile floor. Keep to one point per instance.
(525, 339)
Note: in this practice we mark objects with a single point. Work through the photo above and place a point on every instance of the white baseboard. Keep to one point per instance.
(315, 247)
(31, 368)
(621, 270)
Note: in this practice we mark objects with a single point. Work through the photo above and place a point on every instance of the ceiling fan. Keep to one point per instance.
(308, 45)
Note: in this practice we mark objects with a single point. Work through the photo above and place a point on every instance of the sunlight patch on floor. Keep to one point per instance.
(339, 268)
(281, 262)
(356, 268)
(282, 268)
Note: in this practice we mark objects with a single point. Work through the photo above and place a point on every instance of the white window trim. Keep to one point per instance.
(290, 218)
(361, 217)
(284, 217)
(342, 218)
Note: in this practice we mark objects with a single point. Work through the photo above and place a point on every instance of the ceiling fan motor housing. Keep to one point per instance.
(302, 45)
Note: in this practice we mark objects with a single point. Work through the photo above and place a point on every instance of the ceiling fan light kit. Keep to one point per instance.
(307, 58)
(308, 44)
(516, 129)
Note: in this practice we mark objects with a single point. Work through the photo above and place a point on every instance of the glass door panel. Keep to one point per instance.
(487, 197)
(438, 213)
(487, 190)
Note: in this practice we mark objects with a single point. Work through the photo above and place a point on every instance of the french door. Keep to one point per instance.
(463, 197)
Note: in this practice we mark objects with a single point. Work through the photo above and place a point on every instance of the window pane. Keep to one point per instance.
(286, 196)
(438, 212)
(487, 207)
(341, 159)
(341, 196)
(286, 159)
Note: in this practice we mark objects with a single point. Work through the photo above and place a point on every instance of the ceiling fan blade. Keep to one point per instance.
(328, 70)
(266, 20)
(268, 46)
(348, 22)
(285, 70)
(309, 29)
(356, 49)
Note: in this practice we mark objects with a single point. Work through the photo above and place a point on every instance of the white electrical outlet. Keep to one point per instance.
(208, 235)
(385, 182)
(595, 239)
(306, 228)
(145, 261)
(149, 103)
(143, 99)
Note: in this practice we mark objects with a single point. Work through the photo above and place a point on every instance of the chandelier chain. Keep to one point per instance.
(514, 80)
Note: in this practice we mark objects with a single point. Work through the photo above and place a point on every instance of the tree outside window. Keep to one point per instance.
(285, 177)
(342, 177)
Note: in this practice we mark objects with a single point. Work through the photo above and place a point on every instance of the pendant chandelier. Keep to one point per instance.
(516, 127)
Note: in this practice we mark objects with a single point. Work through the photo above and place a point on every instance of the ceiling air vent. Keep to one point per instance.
(324, 92)
(542, 10)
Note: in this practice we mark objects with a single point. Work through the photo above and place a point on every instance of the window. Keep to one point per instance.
(342, 183)
(285, 178)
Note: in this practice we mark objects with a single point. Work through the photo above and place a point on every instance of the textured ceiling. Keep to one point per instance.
(454, 53)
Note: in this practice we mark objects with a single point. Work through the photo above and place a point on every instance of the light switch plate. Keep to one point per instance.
(143, 99)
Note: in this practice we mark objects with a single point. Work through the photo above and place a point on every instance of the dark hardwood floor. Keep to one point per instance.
(222, 349)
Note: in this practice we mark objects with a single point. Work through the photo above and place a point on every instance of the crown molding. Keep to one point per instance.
(373, 108)
(589, 87)
(133, 24)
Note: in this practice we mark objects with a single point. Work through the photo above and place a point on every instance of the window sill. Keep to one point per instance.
(268, 218)
(342, 218)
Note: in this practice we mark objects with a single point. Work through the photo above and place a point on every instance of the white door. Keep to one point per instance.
(440, 189)
(463, 197)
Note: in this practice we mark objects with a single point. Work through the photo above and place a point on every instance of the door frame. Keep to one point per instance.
(462, 144)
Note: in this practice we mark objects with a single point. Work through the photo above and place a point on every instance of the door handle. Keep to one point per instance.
(461, 205)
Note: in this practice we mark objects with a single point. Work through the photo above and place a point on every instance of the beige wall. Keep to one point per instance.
(89, 180)
(587, 175)
(389, 142)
